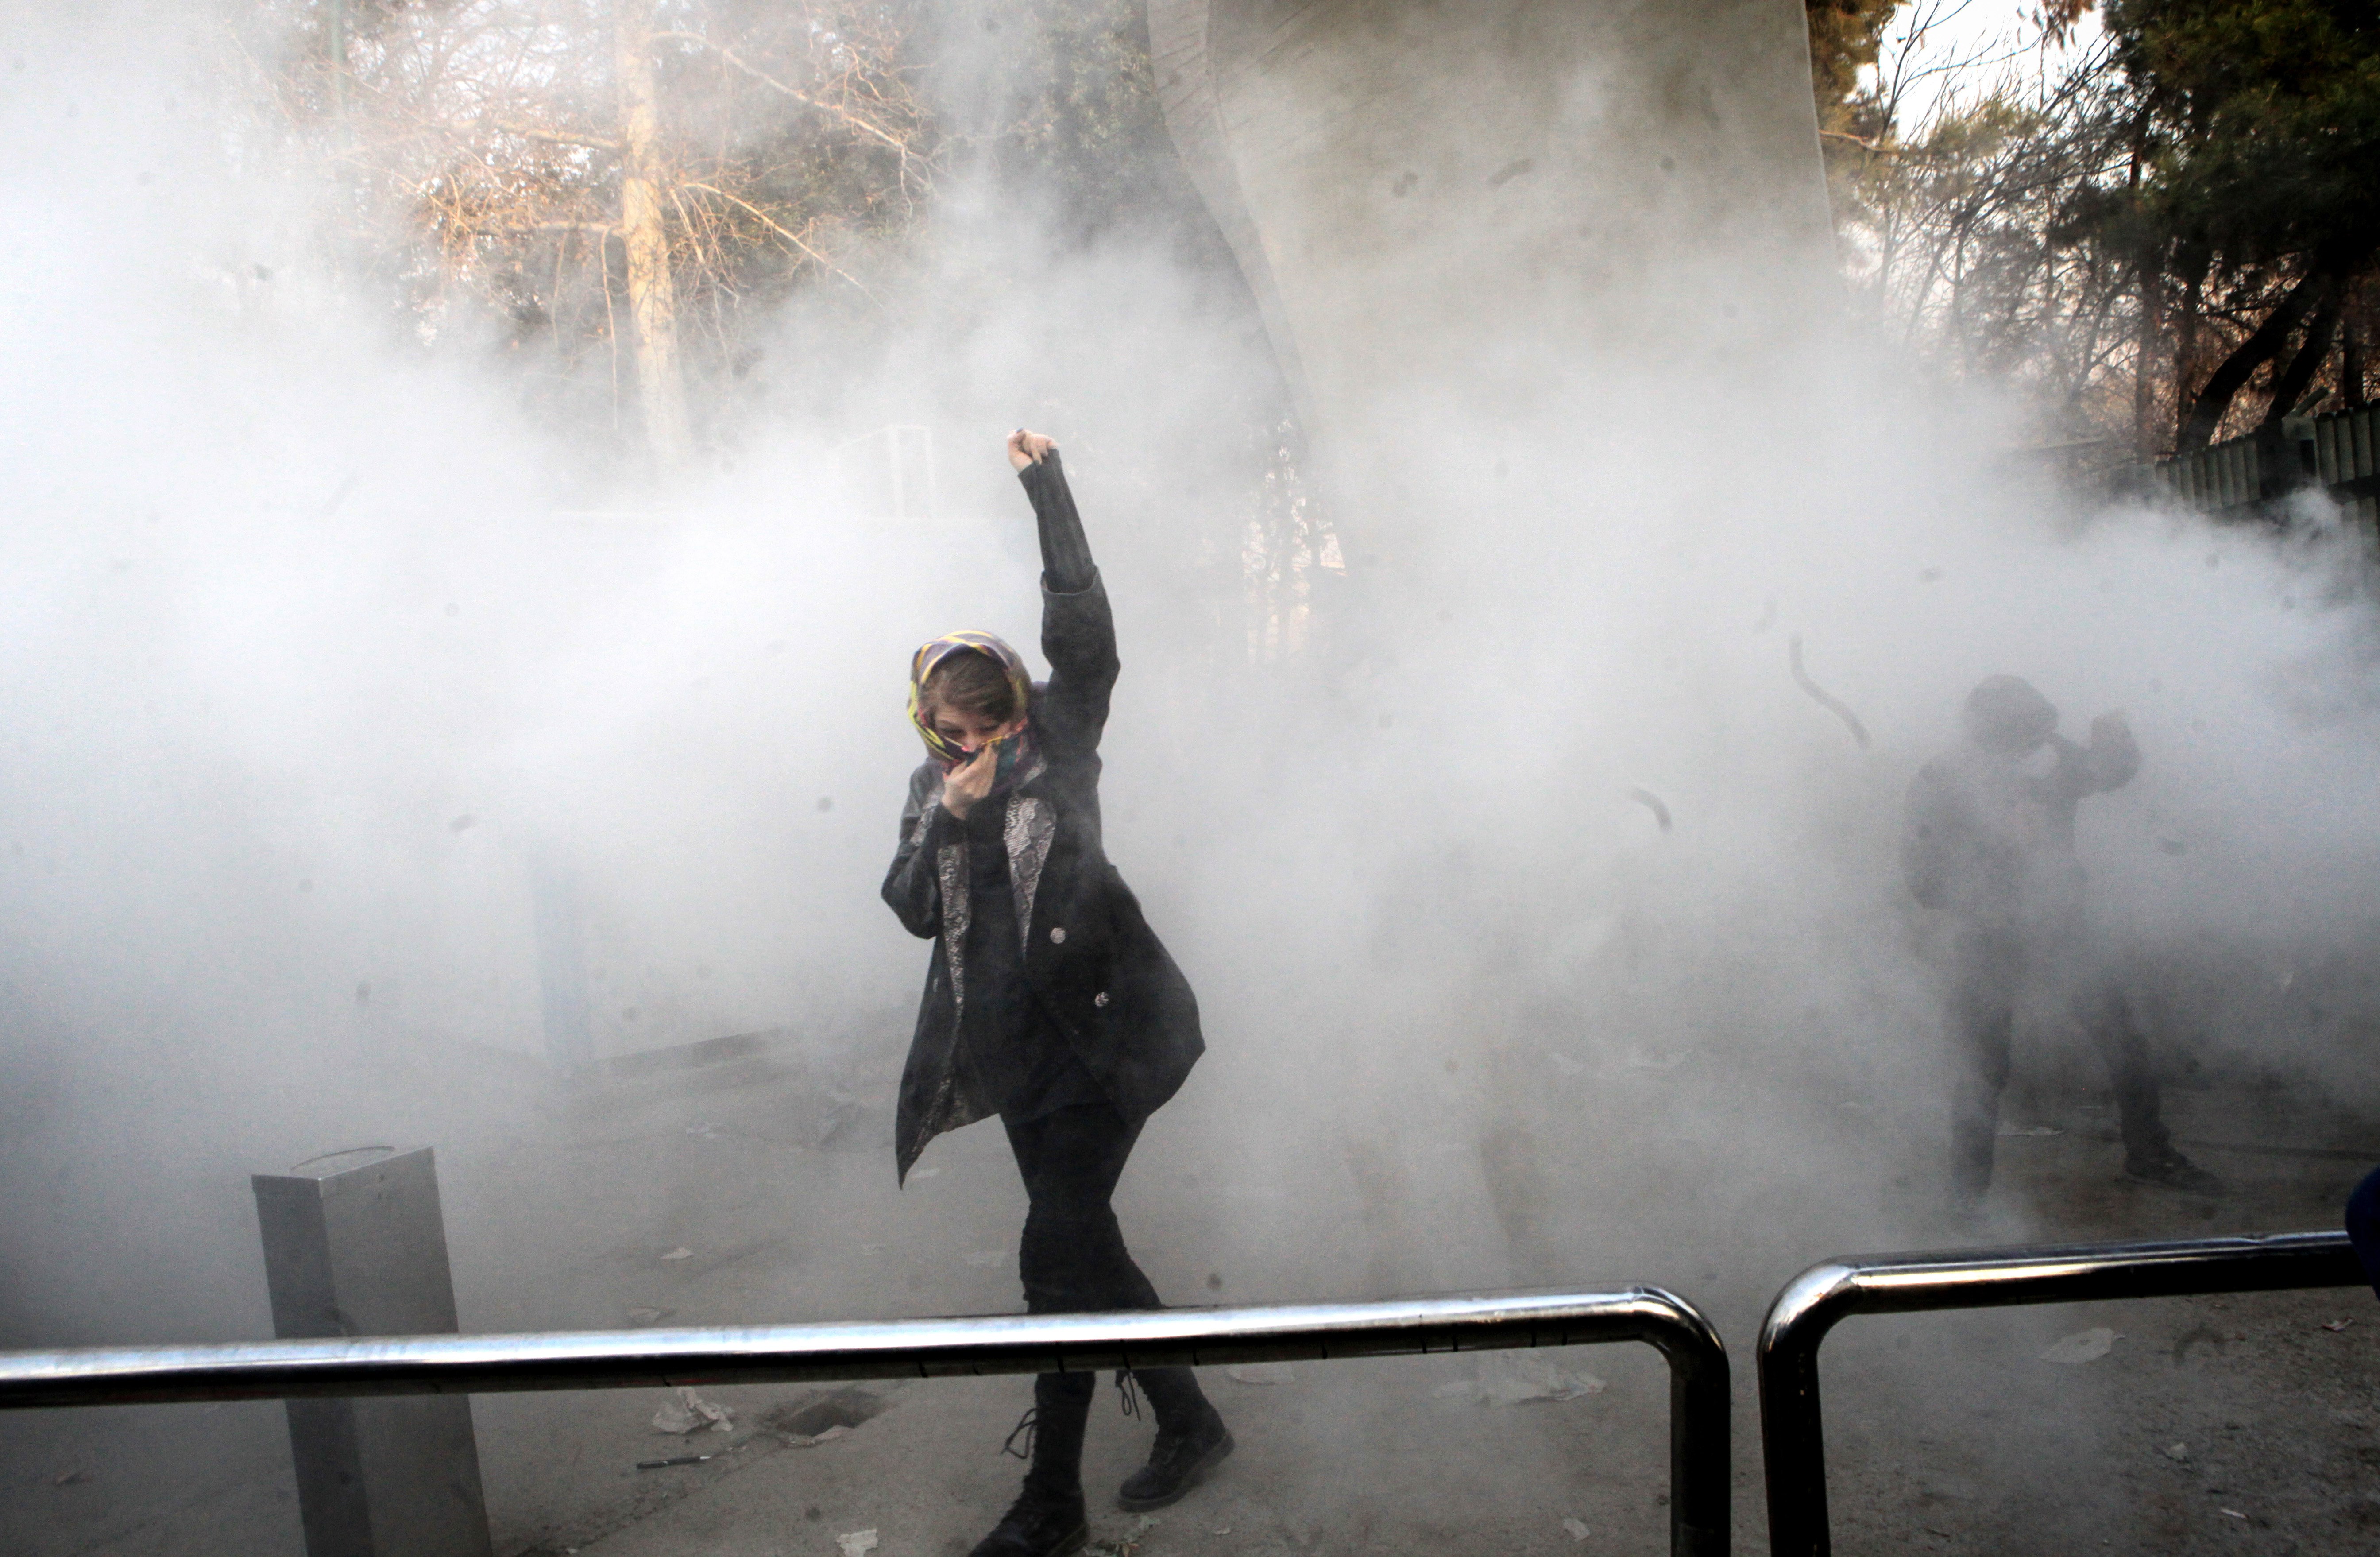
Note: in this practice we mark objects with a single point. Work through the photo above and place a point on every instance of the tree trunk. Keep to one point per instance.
(2299, 375)
(652, 296)
(2149, 277)
(2225, 383)
(2152, 324)
(2350, 368)
(2185, 348)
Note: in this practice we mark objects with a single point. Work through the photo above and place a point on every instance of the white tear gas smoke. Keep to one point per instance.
(310, 672)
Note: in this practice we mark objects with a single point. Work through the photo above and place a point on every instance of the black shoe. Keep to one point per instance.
(1037, 1524)
(2174, 1172)
(1179, 1461)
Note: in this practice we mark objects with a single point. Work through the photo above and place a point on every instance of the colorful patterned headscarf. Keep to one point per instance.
(921, 666)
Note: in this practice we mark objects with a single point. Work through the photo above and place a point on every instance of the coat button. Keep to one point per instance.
(1101, 998)
(1058, 934)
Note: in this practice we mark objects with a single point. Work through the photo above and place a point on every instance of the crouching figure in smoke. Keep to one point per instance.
(1990, 840)
(1049, 1001)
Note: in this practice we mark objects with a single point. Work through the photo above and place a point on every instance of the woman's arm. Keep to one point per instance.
(1077, 631)
(912, 887)
(1067, 566)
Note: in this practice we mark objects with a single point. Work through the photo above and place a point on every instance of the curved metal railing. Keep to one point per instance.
(939, 1348)
(1791, 1430)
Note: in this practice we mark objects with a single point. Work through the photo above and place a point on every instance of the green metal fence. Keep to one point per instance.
(2347, 460)
(2239, 477)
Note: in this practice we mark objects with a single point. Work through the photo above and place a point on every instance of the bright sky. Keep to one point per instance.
(1949, 45)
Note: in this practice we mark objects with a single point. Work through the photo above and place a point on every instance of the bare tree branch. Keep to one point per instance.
(857, 121)
(558, 138)
(793, 238)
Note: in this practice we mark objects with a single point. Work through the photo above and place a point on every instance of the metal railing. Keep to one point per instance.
(1792, 1432)
(943, 1348)
(2339, 451)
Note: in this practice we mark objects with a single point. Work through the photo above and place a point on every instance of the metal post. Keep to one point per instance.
(1701, 1477)
(354, 1245)
(1793, 1433)
(941, 1348)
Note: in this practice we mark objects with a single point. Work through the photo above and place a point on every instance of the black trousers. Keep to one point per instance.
(1072, 1259)
(1994, 967)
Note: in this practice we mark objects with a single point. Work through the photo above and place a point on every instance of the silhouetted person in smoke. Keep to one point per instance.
(1990, 841)
(1049, 1001)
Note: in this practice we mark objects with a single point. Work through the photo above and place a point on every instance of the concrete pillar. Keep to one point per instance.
(354, 1245)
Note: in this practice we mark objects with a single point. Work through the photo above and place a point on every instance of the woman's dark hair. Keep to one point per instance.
(971, 682)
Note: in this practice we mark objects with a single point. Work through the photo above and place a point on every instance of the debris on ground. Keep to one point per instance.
(2006, 1130)
(857, 1543)
(2335, 1326)
(681, 1252)
(688, 1411)
(680, 1460)
(1512, 1378)
(985, 1258)
(649, 1316)
(70, 1479)
(1120, 1546)
(1575, 1528)
(2235, 1513)
(1149, 1522)
(923, 1173)
(813, 1440)
(1264, 1373)
(2177, 1452)
(2087, 1346)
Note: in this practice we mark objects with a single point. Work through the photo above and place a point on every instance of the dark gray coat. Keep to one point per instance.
(1990, 836)
(1091, 958)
